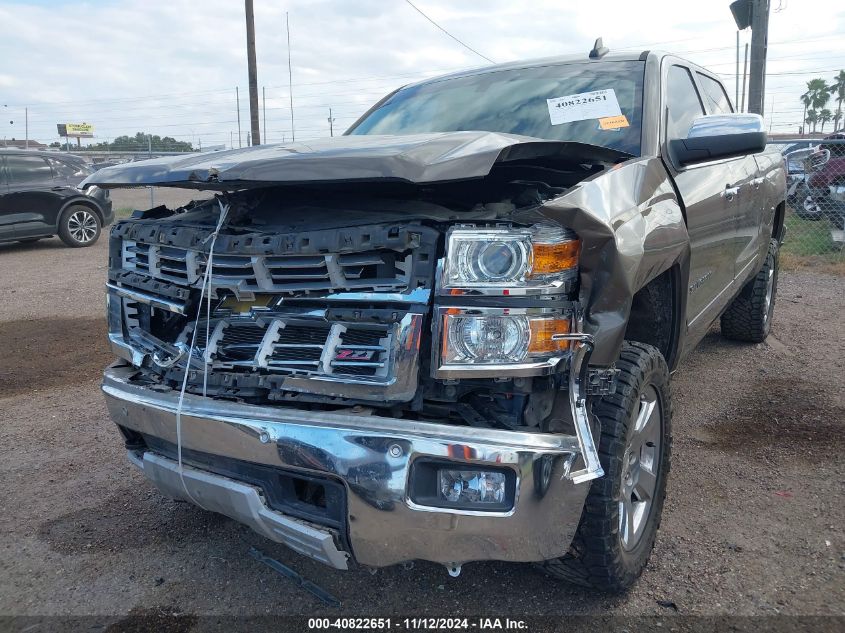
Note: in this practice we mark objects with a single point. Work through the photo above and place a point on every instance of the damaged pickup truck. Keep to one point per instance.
(448, 334)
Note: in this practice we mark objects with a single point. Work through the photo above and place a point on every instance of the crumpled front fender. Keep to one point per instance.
(632, 229)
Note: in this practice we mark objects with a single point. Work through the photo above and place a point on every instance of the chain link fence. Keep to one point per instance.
(815, 214)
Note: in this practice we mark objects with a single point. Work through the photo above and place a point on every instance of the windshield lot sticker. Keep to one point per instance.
(613, 122)
(583, 106)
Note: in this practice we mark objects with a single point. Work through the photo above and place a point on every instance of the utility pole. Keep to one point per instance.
(150, 154)
(331, 123)
(252, 71)
(26, 127)
(290, 80)
(736, 79)
(759, 46)
(744, 78)
(238, 103)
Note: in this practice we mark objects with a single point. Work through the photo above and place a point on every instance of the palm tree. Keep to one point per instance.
(807, 100)
(837, 88)
(812, 118)
(825, 116)
(819, 93)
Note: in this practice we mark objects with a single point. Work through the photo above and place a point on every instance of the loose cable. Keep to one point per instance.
(206, 285)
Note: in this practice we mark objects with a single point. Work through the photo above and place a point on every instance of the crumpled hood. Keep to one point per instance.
(418, 158)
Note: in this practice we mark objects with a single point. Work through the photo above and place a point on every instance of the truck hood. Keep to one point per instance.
(418, 159)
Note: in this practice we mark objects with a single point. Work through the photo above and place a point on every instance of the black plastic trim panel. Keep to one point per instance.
(283, 489)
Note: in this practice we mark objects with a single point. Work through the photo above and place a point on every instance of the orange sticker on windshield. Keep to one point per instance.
(613, 122)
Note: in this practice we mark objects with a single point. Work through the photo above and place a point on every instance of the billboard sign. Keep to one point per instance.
(77, 130)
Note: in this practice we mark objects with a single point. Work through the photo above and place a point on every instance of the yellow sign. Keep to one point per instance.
(79, 129)
(613, 122)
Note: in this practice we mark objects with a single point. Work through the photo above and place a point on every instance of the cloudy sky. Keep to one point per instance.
(170, 67)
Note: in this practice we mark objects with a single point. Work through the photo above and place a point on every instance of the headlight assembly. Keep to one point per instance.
(501, 337)
(509, 259)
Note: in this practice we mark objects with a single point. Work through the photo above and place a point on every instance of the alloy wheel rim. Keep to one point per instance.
(639, 470)
(82, 226)
(770, 287)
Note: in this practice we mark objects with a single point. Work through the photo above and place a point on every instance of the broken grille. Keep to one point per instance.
(377, 270)
(278, 345)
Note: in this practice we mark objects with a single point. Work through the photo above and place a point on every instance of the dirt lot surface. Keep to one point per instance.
(754, 522)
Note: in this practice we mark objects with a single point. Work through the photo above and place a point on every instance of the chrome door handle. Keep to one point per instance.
(730, 193)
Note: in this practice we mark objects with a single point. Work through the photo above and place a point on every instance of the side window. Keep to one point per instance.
(62, 169)
(714, 95)
(682, 101)
(27, 169)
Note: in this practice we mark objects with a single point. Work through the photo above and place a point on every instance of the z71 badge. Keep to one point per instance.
(355, 354)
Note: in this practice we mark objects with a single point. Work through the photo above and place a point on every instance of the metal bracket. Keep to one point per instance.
(602, 382)
(582, 348)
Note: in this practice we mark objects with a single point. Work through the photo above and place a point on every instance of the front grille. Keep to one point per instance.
(376, 270)
(328, 315)
(287, 345)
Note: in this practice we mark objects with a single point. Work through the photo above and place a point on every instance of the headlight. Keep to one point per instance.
(494, 337)
(536, 257)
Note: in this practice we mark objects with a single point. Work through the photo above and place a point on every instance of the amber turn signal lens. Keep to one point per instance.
(554, 258)
(543, 333)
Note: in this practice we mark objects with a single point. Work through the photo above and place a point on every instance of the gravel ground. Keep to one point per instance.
(754, 523)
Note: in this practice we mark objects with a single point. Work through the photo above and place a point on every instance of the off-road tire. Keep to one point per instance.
(596, 557)
(749, 317)
(79, 226)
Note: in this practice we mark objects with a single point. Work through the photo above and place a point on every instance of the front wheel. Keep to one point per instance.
(79, 226)
(623, 509)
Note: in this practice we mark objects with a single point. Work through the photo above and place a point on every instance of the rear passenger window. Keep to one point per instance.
(683, 102)
(714, 95)
(25, 169)
(61, 169)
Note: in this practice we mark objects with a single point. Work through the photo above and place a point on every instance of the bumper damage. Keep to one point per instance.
(375, 462)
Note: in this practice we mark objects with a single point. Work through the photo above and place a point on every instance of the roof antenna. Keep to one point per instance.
(599, 50)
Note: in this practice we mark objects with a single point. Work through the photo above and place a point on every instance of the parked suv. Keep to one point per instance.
(39, 197)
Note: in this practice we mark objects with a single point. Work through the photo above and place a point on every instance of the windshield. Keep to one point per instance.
(525, 101)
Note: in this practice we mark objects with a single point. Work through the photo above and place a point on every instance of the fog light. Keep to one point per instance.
(471, 486)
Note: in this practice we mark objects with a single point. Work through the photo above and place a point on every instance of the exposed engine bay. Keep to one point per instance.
(325, 298)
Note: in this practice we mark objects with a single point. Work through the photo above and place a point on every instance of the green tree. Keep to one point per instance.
(812, 118)
(837, 89)
(141, 142)
(824, 116)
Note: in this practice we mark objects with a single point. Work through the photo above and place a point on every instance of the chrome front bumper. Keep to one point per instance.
(372, 457)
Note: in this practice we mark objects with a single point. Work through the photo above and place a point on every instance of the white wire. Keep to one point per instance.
(206, 284)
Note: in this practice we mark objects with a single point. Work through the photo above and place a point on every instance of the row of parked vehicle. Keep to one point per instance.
(40, 197)
(816, 179)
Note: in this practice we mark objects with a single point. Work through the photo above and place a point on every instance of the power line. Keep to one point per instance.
(465, 45)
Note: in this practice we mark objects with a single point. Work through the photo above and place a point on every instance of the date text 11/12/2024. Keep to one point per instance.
(418, 623)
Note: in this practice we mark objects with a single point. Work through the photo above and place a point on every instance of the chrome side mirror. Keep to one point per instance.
(719, 136)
